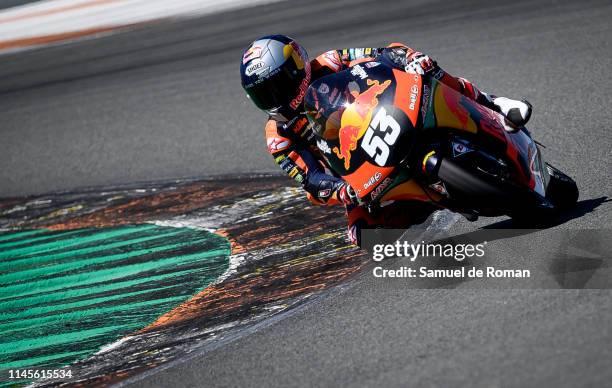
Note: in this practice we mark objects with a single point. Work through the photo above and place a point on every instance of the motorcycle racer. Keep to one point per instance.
(276, 72)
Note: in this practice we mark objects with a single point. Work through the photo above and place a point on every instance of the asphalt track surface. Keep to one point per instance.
(14, 3)
(164, 102)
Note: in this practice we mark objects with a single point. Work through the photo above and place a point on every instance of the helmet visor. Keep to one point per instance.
(277, 90)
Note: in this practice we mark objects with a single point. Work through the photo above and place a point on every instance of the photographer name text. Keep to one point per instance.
(463, 272)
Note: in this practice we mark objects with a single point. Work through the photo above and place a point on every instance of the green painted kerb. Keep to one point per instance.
(63, 295)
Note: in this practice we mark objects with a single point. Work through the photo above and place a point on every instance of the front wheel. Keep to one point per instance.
(562, 191)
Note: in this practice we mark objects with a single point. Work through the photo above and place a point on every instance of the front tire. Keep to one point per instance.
(562, 191)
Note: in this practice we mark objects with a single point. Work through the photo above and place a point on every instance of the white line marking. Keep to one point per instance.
(54, 17)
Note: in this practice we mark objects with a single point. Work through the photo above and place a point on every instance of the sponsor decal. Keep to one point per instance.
(277, 144)
(356, 118)
(460, 148)
(345, 55)
(299, 125)
(323, 88)
(400, 52)
(371, 64)
(323, 146)
(256, 67)
(301, 90)
(439, 187)
(380, 188)
(359, 71)
(252, 53)
(324, 193)
(293, 171)
(358, 52)
(426, 94)
(308, 133)
(414, 92)
(287, 164)
(373, 179)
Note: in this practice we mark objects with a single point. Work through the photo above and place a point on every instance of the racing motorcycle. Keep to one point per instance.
(397, 136)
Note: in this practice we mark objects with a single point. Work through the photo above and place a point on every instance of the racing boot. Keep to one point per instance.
(518, 112)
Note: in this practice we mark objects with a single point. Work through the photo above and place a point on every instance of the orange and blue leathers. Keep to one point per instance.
(294, 148)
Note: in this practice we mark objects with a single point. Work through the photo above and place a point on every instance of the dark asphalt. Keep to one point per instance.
(14, 3)
(165, 102)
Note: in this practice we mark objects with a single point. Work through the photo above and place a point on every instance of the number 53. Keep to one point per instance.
(382, 133)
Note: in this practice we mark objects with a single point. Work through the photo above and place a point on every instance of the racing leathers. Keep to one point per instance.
(294, 146)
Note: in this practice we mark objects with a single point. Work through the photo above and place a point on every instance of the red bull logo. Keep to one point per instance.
(252, 53)
(356, 118)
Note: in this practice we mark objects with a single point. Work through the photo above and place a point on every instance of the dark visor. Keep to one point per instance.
(276, 90)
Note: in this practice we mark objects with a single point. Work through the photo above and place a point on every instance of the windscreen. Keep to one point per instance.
(327, 99)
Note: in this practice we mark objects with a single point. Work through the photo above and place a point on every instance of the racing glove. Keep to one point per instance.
(419, 63)
(325, 187)
(347, 195)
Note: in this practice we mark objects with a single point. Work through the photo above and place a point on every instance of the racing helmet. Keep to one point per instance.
(275, 73)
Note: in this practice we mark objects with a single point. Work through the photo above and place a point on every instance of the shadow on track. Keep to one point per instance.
(571, 257)
(581, 209)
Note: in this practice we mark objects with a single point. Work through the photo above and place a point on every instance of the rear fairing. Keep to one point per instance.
(484, 129)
